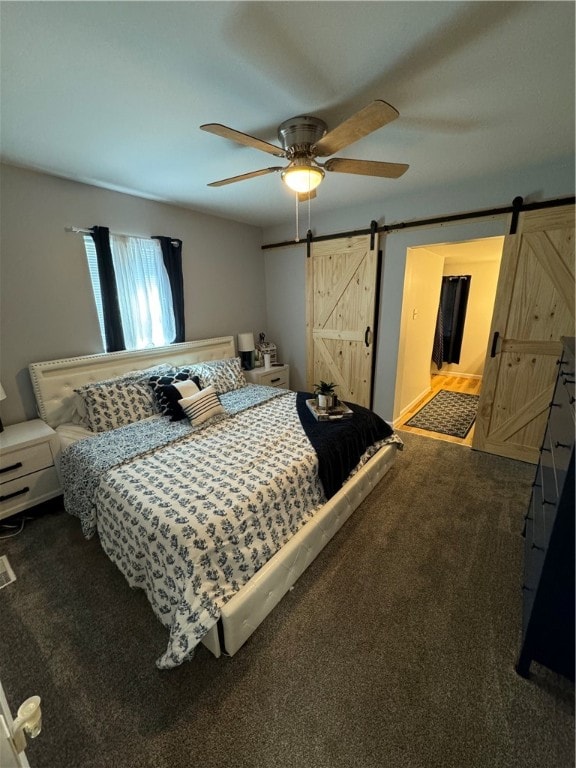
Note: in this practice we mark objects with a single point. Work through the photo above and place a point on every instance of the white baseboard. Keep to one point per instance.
(460, 375)
(411, 405)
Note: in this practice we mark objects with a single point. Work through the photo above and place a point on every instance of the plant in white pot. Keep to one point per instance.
(325, 395)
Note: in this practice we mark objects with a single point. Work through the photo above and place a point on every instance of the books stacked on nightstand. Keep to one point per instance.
(338, 412)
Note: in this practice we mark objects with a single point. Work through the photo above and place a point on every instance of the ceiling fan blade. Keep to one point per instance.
(243, 138)
(244, 176)
(305, 196)
(375, 115)
(366, 167)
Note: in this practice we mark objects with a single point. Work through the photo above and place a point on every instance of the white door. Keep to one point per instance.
(8, 756)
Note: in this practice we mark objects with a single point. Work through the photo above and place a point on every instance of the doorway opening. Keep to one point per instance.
(419, 379)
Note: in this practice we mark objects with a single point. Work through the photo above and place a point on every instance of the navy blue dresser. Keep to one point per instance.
(548, 585)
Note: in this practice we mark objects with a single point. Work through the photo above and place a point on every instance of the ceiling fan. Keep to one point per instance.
(304, 139)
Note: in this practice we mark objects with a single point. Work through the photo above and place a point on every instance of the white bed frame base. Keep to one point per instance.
(54, 383)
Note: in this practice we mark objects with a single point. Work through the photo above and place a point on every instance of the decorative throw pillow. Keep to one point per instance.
(115, 403)
(202, 406)
(224, 375)
(80, 415)
(166, 394)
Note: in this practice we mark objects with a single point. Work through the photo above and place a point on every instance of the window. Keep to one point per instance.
(143, 287)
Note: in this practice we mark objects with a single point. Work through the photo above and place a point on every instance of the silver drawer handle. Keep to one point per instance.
(16, 493)
(11, 467)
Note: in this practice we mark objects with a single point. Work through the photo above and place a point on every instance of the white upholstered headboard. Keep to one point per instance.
(54, 381)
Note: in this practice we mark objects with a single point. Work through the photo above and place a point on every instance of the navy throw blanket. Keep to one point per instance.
(339, 445)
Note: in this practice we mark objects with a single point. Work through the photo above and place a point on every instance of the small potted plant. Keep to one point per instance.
(325, 395)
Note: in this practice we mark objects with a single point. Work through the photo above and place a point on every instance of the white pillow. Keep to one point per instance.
(186, 388)
(201, 406)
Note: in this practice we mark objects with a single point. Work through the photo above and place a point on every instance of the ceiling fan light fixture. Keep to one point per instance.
(301, 176)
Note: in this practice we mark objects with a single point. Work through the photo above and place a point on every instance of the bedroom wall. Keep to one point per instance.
(533, 183)
(422, 285)
(46, 303)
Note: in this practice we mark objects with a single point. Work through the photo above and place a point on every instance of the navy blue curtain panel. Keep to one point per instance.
(451, 318)
(108, 291)
(172, 256)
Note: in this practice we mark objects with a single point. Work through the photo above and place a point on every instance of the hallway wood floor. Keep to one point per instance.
(454, 384)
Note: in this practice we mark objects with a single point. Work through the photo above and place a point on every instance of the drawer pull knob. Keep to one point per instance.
(548, 502)
(11, 467)
(16, 493)
(540, 549)
(562, 445)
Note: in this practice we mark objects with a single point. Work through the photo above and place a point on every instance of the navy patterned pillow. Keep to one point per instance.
(115, 403)
(166, 394)
(224, 375)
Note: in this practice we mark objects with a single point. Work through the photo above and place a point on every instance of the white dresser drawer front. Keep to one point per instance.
(23, 461)
(274, 378)
(25, 492)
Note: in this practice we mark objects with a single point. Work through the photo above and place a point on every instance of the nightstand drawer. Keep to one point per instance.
(277, 376)
(23, 461)
(25, 492)
(274, 378)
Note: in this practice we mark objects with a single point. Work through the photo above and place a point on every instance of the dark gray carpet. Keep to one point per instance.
(451, 413)
(396, 647)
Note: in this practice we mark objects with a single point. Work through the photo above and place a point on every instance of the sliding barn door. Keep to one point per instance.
(534, 308)
(341, 287)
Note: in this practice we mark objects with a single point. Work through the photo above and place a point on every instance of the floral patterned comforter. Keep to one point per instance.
(192, 520)
(84, 462)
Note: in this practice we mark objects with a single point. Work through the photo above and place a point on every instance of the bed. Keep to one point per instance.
(214, 512)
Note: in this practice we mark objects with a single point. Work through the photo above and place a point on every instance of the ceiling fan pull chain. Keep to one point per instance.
(297, 234)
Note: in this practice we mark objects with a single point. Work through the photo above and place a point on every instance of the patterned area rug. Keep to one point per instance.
(451, 413)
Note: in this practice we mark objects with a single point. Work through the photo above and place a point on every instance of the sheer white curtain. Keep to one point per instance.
(143, 292)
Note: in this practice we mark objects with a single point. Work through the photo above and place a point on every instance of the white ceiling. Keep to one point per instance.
(113, 93)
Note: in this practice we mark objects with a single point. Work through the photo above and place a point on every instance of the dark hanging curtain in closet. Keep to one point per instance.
(172, 257)
(108, 291)
(450, 322)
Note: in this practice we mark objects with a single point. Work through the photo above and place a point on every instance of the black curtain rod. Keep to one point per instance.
(517, 207)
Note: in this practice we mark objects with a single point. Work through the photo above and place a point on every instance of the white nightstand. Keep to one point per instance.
(276, 376)
(27, 472)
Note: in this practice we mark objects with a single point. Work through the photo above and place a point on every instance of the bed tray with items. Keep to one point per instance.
(210, 493)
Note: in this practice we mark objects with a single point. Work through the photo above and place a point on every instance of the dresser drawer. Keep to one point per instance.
(561, 422)
(23, 461)
(567, 380)
(539, 521)
(546, 474)
(533, 564)
(25, 492)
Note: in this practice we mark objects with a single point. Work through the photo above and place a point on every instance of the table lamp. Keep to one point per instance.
(247, 350)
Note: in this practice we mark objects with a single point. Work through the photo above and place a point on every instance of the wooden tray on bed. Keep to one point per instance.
(339, 412)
